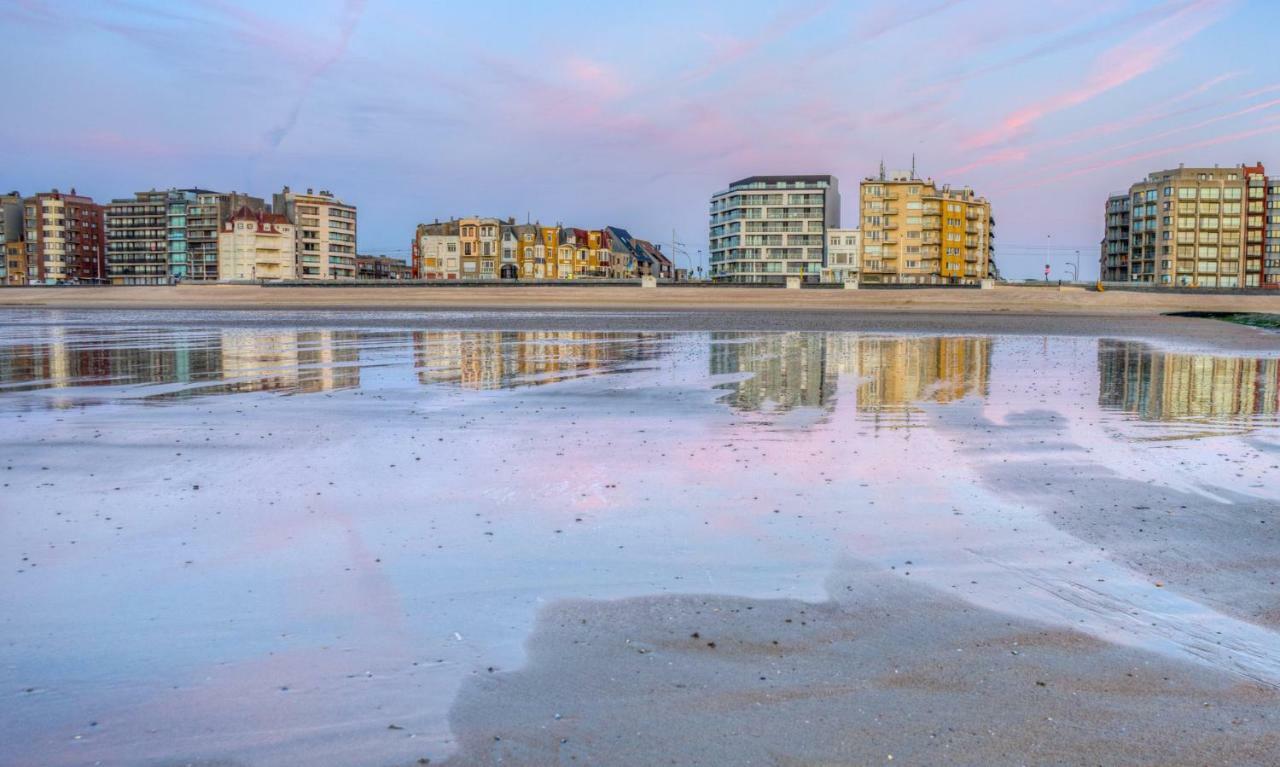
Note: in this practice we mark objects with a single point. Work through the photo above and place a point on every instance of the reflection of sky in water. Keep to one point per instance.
(273, 579)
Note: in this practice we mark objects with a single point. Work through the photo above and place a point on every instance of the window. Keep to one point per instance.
(1186, 193)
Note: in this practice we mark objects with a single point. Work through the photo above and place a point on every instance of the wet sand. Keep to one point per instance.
(882, 673)
(960, 545)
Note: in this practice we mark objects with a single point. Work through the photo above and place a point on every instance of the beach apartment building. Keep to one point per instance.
(63, 238)
(326, 233)
(1195, 227)
(768, 228)
(916, 231)
(159, 236)
(256, 245)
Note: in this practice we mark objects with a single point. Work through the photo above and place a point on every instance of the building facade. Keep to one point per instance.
(768, 228)
(495, 249)
(63, 238)
(844, 254)
(382, 268)
(1194, 227)
(479, 242)
(917, 232)
(1271, 251)
(437, 247)
(157, 237)
(205, 214)
(326, 231)
(1114, 265)
(138, 239)
(253, 245)
(11, 235)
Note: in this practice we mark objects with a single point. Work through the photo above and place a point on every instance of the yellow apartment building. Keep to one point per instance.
(917, 232)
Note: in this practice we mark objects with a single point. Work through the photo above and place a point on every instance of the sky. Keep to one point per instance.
(634, 114)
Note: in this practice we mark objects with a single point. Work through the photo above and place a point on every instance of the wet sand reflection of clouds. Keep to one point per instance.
(302, 535)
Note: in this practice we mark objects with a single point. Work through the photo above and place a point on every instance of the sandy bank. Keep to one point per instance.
(1005, 299)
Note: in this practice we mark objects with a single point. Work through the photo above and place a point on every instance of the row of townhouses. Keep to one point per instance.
(911, 231)
(158, 237)
(1195, 227)
(501, 249)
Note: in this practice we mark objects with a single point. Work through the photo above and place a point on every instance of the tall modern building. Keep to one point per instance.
(63, 238)
(1194, 227)
(158, 236)
(768, 228)
(326, 231)
(915, 231)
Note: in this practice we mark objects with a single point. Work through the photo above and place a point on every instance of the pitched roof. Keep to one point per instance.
(248, 214)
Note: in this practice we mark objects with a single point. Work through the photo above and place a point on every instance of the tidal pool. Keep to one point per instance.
(272, 545)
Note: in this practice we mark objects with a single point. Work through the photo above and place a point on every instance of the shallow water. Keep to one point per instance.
(268, 545)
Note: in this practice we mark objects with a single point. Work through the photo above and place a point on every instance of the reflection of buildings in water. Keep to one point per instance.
(246, 361)
(1157, 385)
(900, 372)
(790, 370)
(291, 361)
(80, 357)
(500, 359)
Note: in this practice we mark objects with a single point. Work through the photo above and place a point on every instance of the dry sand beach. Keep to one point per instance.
(1002, 299)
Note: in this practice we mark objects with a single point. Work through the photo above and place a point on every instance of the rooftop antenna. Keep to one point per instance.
(882, 167)
(913, 166)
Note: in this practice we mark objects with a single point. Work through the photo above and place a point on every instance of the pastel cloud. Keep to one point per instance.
(1120, 64)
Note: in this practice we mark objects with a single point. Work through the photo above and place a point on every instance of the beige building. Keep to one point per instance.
(844, 249)
(1191, 227)
(326, 233)
(253, 245)
(479, 242)
(437, 250)
(917, 232)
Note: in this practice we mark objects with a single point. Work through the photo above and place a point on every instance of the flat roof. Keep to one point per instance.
(771, 179)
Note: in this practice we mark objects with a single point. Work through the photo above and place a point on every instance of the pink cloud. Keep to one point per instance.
(1011, 154)
(1120, 64)
(599, 80)
(1269, 127)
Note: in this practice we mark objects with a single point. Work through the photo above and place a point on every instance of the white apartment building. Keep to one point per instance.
(768, 228)
(844, 247)
(253, 245)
